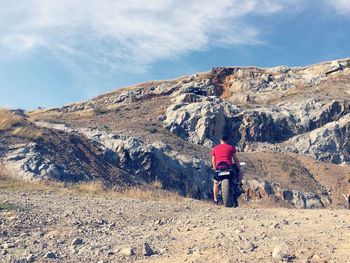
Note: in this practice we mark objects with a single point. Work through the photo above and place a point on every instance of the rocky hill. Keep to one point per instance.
(291, 125)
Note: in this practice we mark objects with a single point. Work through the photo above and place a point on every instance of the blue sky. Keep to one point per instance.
(54, 52)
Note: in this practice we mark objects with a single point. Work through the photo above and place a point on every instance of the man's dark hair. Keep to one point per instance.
(224, 138)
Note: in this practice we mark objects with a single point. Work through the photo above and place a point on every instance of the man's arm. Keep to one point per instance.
(213, 161)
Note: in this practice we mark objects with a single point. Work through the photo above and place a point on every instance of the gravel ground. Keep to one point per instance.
(56, 226)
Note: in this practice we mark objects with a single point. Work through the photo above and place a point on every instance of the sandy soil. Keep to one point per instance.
(77, 228)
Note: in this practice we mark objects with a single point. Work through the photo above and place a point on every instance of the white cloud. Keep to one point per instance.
(342, 6)
(129, 33)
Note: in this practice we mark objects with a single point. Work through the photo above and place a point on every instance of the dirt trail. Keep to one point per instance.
(75, 228)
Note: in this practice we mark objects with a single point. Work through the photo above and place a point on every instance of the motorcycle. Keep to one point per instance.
(231, 188)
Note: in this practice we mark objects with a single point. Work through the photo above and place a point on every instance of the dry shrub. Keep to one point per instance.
(83, 114)
(157, 184)
(8, 119)
(94, 188)
(54, 115)
(152, 193)
(98, 110)
(18, 126)
(40, 115)
(5, 174)
(9, 181)
(28, 132)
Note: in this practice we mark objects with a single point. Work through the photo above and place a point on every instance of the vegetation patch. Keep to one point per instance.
(154, 192)
(8, 207)
(148, 193)
(100, 110)
(17, 125)
(9, 119)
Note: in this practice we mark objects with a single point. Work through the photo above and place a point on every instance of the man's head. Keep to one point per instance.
(224, 139)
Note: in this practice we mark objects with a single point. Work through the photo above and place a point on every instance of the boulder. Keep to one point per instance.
(260, 188)
(302, 200)
(328, 143)
(263, 125)
(314, 113)
(201, 122)
(28, 161)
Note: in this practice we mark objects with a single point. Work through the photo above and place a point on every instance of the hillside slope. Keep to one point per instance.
(292, 126)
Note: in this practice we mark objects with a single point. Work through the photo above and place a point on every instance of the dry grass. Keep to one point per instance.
(8, 119)
(8, 181)
(56, 115)
(148, 194)
(152, 193)
(83, 114)
(18, 126)
(38, 114)
(157, 184)
(27, 132)
(95, 189)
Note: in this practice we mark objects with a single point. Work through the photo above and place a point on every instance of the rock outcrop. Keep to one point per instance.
(202, 120)
(198, 119)
(61, 156)
(261, 85)
(328, 143)
(302, 200)
(149, 162)
(261, 190)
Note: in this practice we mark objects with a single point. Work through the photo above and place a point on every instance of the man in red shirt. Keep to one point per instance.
(224, 153)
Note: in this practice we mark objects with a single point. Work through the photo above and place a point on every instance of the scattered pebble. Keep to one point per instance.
(77, 242)
(51, 255)
(126, 251)
(147, 250)
(280, 252)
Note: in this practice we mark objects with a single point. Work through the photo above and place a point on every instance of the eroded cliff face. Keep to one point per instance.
(163, 131)
(288, 109)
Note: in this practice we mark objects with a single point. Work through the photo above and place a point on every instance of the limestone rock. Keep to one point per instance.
(201, 122)
(328, 143)
(302, 200)
(260, 188)
(280, 252)
(126, 251)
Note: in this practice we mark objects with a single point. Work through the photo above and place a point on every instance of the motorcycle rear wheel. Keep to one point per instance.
(227, 194)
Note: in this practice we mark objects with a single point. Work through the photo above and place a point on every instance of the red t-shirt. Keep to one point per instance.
(223, 153)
